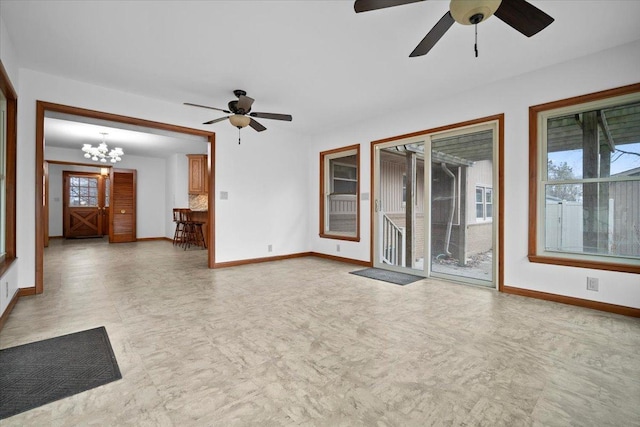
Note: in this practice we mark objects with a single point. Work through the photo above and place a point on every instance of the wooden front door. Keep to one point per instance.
(84, 204)
(122, 212)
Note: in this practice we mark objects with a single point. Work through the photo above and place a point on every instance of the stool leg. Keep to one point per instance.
(201, 237)
(177, 234)
(187, 236)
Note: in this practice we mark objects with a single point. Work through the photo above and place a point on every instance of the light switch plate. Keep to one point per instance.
(224, 195)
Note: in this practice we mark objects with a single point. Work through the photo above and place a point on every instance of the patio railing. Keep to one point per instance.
(393, 242)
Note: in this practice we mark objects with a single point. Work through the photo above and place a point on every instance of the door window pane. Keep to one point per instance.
(83, 192)
(107, 185)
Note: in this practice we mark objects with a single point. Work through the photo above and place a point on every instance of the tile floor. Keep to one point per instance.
(302, 342)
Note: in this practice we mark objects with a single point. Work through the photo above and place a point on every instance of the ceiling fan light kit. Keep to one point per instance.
(520, 15)
(471, 12)
(239, 121)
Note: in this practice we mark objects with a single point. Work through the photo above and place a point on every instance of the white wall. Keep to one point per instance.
(265, 176)
(177, 185)
(604, 70)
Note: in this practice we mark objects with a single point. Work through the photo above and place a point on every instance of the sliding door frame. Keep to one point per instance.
(499, 240)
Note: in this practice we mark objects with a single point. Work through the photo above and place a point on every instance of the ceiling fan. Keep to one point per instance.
(518, 14)
(241, 114)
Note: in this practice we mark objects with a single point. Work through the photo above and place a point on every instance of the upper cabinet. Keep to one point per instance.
(198, 182)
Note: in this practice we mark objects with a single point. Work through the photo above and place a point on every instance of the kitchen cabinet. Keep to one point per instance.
(198, 182)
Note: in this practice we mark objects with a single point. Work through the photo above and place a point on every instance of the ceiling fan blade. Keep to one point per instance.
(523, 16)
(211, 108)
(367, 5)
(210, 122)
(272, 116)
(434, 35)
(256, 126)
(244, 103)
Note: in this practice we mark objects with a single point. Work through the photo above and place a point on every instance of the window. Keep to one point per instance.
(8, 114)
(585, 181)
(83, 192)
(484, 205)
(340, 187)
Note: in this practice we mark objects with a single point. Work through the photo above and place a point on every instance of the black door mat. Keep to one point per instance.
(387, 276)
(38, 373)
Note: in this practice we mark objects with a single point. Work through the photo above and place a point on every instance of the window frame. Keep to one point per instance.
(8, 214)
(538, 115)
(326, 178)
(485, 189)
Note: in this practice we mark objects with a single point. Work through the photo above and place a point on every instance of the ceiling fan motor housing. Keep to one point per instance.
(470, 12)
(233, 107)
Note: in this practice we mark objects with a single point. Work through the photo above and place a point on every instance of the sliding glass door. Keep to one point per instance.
(435, 201)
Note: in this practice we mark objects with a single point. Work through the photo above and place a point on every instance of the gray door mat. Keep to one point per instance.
(387, 276)
(41, 372)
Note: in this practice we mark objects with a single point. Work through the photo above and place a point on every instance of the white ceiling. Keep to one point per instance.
(73, 131)
(317, 60)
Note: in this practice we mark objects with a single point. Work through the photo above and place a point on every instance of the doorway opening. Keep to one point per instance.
(45, 108)
(437, 208)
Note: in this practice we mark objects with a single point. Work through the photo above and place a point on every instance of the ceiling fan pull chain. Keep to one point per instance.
(238, 136)
(475, 46)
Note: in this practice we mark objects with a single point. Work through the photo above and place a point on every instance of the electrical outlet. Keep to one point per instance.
(337, 248)
(592, 284)
(6, 289)
(270, 248)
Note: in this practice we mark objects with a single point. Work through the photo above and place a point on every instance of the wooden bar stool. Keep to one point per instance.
(178, 235)
(193, 234)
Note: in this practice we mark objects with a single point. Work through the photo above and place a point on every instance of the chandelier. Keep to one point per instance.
(101, 153)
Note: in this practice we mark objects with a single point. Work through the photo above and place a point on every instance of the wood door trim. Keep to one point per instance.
(10, 172)
(42, 107)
